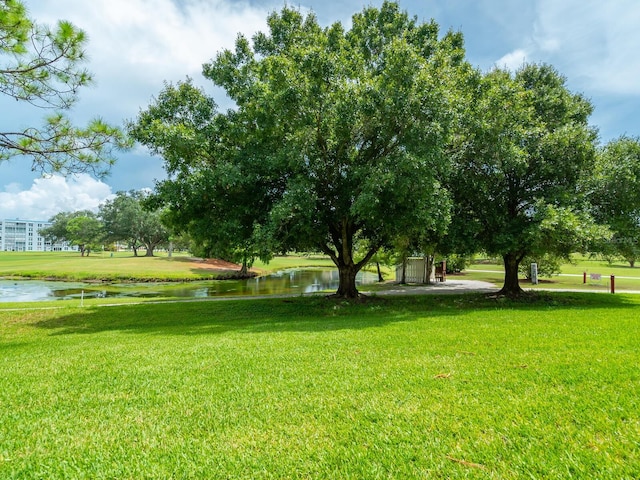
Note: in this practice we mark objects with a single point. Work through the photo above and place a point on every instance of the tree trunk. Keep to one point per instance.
(347, 287)
(511, 287)
(380, 277)
(342, 257)
(244, 270)
(632, 262)
(428, 266)
(403, 276)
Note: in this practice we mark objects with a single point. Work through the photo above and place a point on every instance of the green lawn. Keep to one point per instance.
(99, 265)
(294, 261)
(571, 277)
(414, 387)
(124, 266)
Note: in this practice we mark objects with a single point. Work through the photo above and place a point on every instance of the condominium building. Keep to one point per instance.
(24, 236)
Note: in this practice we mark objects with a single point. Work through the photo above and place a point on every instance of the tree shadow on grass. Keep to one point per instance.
(302, 314)
(6, 347)
(306, 314)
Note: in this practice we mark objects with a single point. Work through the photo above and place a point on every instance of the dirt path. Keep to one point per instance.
(214, 264)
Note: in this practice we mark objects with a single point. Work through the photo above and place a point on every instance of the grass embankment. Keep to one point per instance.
(98, 266)
(123, 266)
(415, 387)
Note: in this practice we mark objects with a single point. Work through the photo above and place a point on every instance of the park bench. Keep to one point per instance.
(441, 271)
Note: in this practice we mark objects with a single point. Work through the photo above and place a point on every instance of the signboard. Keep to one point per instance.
(534, 274)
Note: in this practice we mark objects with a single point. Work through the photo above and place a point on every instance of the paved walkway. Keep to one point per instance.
(604, 275)
(477, 286)
(450, 286)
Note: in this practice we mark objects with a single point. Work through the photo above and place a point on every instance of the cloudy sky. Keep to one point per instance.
(136, 45)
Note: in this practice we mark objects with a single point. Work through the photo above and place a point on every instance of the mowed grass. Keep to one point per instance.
(571, 276)
(283, 262)
(403, 387)
(99, 265)
(124, 266)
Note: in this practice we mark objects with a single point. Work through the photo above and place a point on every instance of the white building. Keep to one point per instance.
(24, 236)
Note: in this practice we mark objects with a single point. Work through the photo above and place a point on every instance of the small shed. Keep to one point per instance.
(415, 271)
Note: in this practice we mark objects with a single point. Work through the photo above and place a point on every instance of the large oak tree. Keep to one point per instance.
(125, 219)
(337, 136)
(80, 228)
(525, 145)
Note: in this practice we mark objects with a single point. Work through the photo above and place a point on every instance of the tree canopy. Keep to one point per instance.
(525, 145)
(209, 198)
(80, 228)
(125, 219)
(614, 193)
(42, 67)
(337, 137)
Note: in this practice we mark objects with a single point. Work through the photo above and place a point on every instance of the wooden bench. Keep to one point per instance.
(441, 271)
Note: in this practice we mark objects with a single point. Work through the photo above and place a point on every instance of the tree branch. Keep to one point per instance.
(372, 251)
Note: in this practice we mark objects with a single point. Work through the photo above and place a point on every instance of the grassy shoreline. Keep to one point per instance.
(124, 267)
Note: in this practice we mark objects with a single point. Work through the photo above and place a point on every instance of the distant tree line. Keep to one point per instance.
(121, 220)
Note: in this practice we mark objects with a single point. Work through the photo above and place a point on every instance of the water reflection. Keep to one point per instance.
(292, 281)
(23, 291)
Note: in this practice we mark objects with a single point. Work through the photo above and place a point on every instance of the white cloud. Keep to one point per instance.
(591, 41)
(156, 37)
(512, 61)
(135, 45)
(13, 188)
(50, 195)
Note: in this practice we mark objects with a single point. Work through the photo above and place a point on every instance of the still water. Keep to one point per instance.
(293, 281)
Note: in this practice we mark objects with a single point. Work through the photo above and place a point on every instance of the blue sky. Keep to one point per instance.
(135, 45)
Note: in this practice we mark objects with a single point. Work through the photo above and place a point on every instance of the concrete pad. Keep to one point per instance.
(450, 286)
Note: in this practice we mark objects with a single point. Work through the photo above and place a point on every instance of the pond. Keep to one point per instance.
(292, 281)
